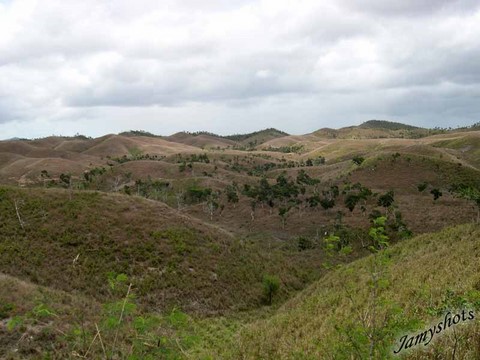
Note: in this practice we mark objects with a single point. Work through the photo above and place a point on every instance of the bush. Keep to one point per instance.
(304, 243)
(422, 186)
(271, 284)
(358, 160)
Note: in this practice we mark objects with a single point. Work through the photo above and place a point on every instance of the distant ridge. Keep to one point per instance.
(270, 132)
(208, 139)
(132, 133)
(377, 129)
(384, 124)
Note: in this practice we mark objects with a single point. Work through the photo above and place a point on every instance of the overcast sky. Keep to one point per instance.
(229, 66)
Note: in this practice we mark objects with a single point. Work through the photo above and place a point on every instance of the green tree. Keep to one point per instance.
(351, 201)
(358, 160)
(422, 186)
(271, 285)
(436, 194)
(386, 200)
(370, 332)
(232, 195)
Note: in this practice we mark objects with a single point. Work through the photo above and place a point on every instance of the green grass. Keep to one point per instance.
(172, 259)
(427, 274)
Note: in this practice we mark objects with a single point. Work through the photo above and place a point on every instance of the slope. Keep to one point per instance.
(173, 259)
(427, 275)
(201, 140)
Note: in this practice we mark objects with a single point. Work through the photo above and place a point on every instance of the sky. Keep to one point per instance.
(233, 66)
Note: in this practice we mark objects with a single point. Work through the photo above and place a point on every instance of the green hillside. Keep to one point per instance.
(424, 277)
(383, 124)
(173, 259)
(257, 137)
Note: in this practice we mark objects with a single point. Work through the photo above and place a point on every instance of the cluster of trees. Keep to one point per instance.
(193, 158)
(138, 133)
(286, 149)
(319, 160)
(358, 160)
(270, 132)
(307, 192)
(149, 188)
(92, 177)
(188, 161)
(252, 169)
(135, 156)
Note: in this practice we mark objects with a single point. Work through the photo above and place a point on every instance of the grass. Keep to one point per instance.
(199, 279)
(425, 272)
(73, 244)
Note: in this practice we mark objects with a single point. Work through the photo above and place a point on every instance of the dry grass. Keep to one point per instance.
(423, 269)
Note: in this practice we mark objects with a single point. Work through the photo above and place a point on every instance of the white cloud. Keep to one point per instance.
(231, 66)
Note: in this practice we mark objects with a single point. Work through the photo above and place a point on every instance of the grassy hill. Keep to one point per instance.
(376, 129)
(72, 241)
(425, 276)
(383, 124)
(201, 225)
(258, 137)
(420, 280)
(202, 140)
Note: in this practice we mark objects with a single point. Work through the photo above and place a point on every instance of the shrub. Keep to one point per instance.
(271, 284)
(436, 194)
(422, 186)
(304, 243)
(358, 160)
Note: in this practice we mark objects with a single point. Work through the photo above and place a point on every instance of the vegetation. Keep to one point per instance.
(271, 284)
(203, 247)
(270, 133)
(383, 124)
(327, 321)
(286, 149)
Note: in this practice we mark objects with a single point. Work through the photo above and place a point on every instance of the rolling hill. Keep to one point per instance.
(188, 233)
(321, 322)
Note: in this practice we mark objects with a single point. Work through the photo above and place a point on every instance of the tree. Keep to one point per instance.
(271, 285)
(386, 200)
(264, 192)
(66, 180)
(212, 203)
(313, 201)
(284, 189)
(355, 194)
(369, 333)
(422, 186)
(351, 201)
(327, 203)
(283, 213)
(358, 160)
(319, 161)
(436, 194)
(45, 176)
(253, 206)
(304, 178)
(232, 195)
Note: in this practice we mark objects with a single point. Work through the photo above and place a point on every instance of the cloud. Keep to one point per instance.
(230, 66)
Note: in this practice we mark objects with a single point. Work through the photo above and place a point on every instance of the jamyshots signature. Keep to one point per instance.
(407, 342)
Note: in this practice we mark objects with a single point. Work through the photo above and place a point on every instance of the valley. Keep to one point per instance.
(254, 246)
